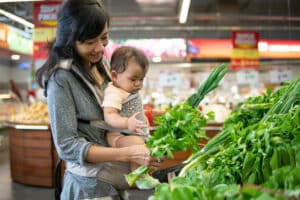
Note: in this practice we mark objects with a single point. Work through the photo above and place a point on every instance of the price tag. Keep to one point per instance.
(274, 76)
(169, 79)
(279, 76)
(285, 75)
(247, 76)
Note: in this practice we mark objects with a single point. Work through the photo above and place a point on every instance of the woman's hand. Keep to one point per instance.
(141, 155)
(155, 164)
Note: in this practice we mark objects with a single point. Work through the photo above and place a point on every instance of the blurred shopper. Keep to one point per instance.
(15, 89)
(74, 77)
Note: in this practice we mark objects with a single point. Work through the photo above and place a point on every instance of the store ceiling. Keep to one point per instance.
(273, 19)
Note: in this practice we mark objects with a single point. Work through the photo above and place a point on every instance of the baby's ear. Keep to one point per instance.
(114, 74)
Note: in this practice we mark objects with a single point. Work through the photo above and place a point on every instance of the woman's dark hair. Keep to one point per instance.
(77, 20)
(121, 57)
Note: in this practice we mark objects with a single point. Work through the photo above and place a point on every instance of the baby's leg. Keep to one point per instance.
(126, 141)
(112, 138)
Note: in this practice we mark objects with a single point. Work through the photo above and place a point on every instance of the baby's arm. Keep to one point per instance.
(113, 118)
(119, 140)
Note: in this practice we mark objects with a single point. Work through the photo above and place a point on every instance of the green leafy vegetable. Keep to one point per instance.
(147, 182)
(259, 144)
(136, 174)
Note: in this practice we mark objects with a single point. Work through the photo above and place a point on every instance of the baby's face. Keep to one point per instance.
(131, 80)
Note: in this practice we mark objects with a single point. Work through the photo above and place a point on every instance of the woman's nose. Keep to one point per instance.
(99, 47)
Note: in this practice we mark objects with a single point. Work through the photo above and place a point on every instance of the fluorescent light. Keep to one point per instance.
(184, 11)
(15, 57)
(17, 19)
(5, 96)
(156, 59)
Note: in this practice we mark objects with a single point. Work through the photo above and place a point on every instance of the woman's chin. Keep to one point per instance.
(95, 59)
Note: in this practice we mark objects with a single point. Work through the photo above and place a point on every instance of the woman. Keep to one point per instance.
(74, 77)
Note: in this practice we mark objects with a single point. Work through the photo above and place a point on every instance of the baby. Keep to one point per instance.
(122, 102)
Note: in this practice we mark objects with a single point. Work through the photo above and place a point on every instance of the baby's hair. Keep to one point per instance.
(122, 56)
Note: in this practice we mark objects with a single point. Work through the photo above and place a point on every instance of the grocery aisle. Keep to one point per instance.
(10, 190)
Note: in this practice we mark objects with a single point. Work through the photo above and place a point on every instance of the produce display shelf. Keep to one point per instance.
(32, 154)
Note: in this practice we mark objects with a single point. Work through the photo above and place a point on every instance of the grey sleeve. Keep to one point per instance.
(62, 112)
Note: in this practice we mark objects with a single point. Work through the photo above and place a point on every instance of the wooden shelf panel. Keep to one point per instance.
(31, 157)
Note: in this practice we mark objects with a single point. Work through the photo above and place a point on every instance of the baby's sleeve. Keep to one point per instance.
(114, 97)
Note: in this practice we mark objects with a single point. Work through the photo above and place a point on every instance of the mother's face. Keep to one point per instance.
(92, 50)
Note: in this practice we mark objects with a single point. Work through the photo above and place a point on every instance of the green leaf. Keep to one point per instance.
(250, 192)
(274, 160)
(182, 193)
(162, 192)
(136, 174)
(147, 182)
(265, 196)
(248, 165)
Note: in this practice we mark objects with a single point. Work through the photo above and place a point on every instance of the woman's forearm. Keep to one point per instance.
(136, 153)
(98, 154)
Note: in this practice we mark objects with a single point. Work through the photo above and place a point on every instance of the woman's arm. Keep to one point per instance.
(136, 153)
(69, 145)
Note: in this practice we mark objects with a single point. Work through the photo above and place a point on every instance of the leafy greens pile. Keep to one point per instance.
(181, 127)
(256, 155)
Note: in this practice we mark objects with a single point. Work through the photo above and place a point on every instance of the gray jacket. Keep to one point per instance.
(70, 98)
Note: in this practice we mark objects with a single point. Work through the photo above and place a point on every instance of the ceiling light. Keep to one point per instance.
(156, 59)
(5, 96)
(16, 18)
(184, 11)
(15, 57)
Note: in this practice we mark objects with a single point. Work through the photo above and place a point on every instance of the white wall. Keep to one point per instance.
(13, 72)
(5, 73)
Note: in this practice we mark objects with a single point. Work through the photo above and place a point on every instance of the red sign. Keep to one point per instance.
(245, 39)
(45, 13)
(245, 54)
(40, 50)
(237, 64)
(208, 48)
(45, 17)
(279, 48)
(3, 36)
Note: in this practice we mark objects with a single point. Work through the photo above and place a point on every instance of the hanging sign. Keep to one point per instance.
(245, 54)
(45, 21)
(45, 13)
(3, 36)
(20, 41)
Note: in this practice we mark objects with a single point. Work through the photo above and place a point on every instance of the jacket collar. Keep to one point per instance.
(67, 64)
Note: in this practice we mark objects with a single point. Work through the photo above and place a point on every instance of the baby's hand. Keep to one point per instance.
(135, 125)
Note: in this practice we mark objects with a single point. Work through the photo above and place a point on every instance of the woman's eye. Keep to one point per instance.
(90, 42)
(104, 40)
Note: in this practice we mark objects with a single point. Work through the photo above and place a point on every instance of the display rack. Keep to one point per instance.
(32, 154)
